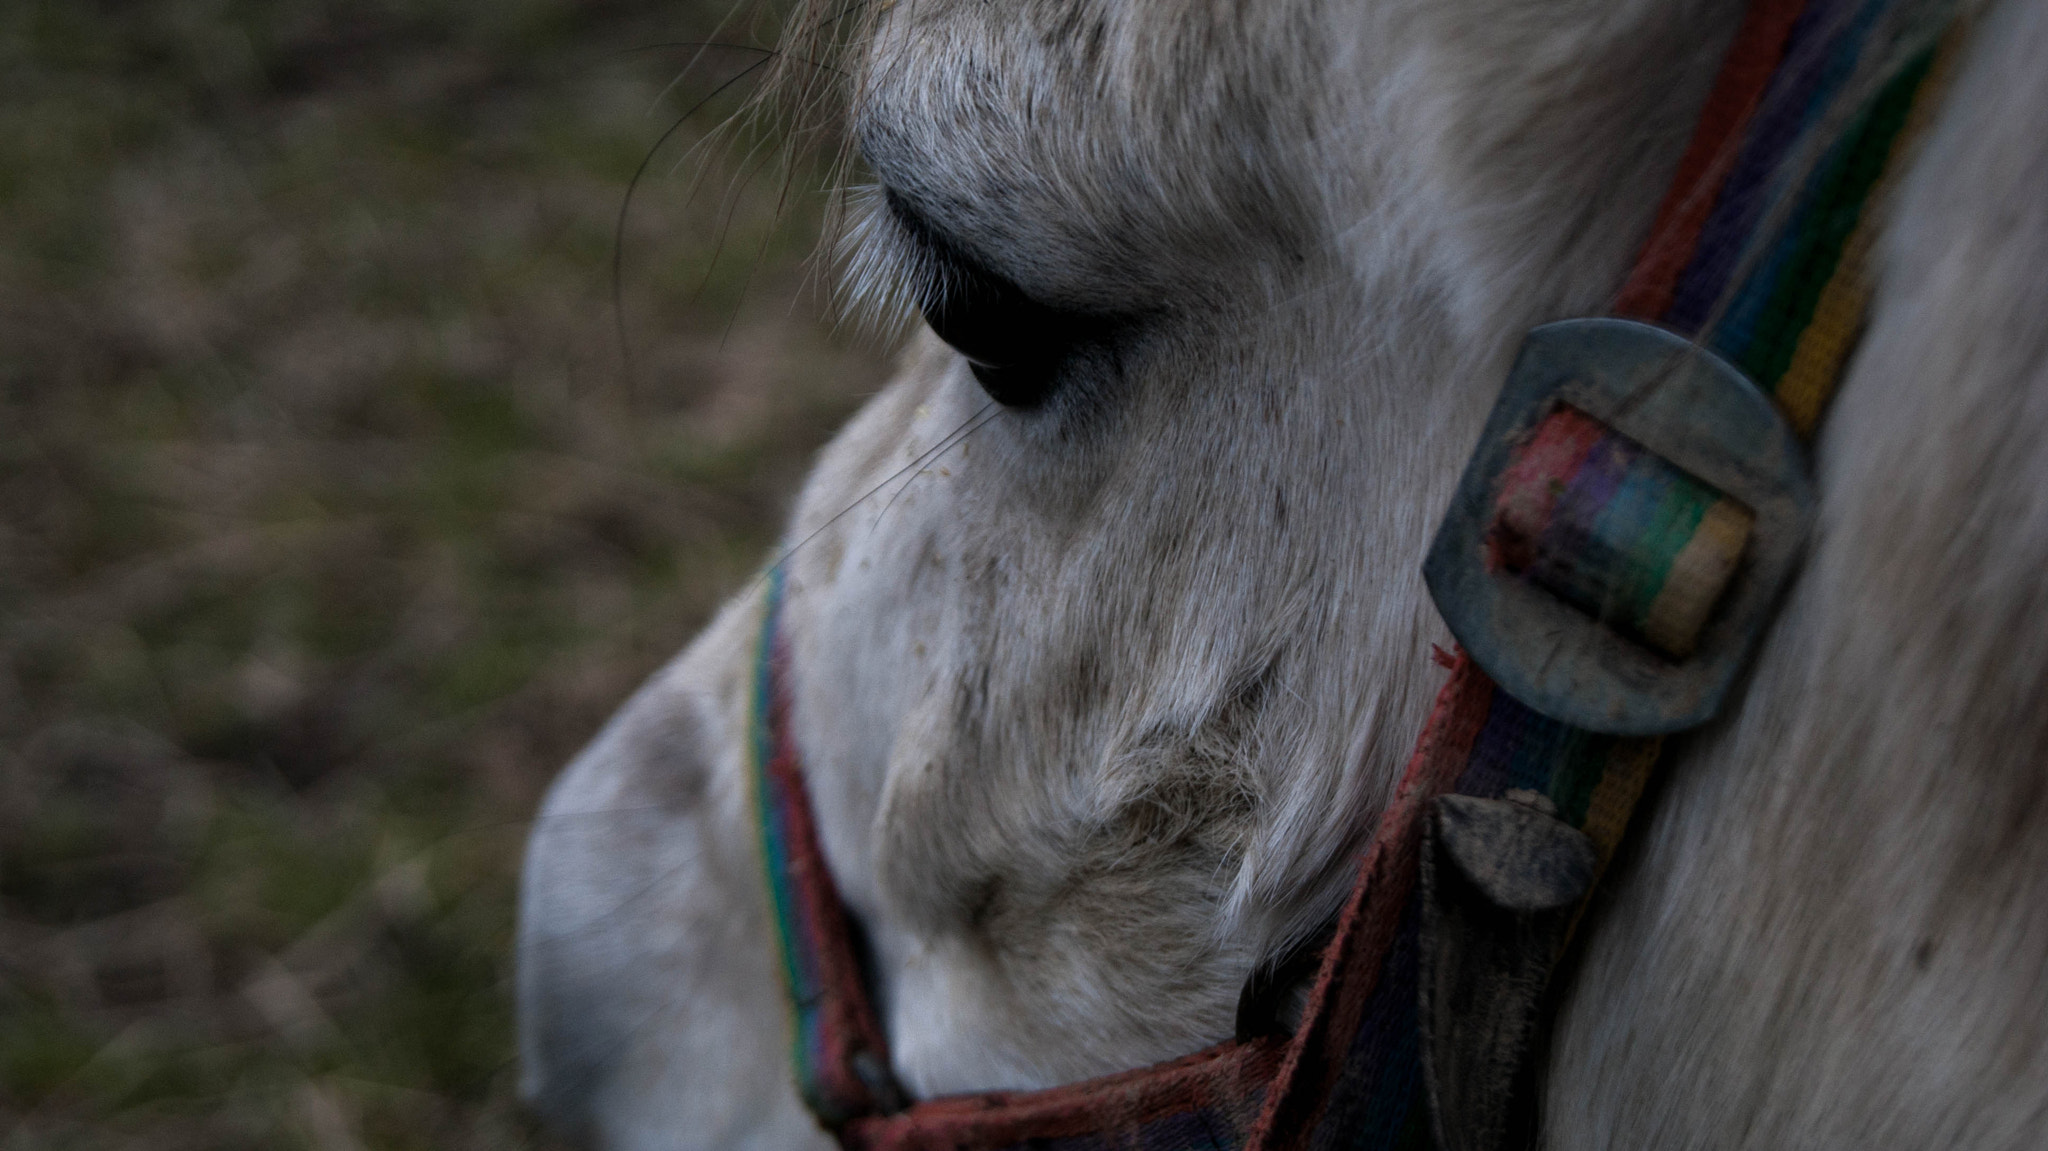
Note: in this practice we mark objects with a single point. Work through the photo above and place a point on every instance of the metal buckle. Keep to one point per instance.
(1700, 414)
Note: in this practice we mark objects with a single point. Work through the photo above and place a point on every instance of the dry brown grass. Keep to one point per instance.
(330, 526)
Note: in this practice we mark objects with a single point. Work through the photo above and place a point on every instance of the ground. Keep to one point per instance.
(333, 518)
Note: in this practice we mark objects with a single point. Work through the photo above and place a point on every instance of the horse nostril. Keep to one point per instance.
(1014, 344)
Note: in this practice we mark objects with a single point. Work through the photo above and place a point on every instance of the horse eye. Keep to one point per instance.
(1014, 344)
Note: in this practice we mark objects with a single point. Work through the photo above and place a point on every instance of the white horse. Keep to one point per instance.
(1099, 702)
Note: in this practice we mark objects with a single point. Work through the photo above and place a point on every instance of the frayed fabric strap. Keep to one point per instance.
(1416, 998)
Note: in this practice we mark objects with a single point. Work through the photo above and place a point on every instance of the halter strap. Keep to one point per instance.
(837, 1050)
(1772, 281)
(1355, 1077)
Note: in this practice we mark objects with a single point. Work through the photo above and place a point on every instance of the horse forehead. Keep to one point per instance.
(1093, 137)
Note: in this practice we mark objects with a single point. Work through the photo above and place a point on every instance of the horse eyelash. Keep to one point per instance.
(884, 273)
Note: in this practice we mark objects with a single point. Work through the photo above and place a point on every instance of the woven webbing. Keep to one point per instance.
(837, 1050)
(1611, 528)
(1771, 281)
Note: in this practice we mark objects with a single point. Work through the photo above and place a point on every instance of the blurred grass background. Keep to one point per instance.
(330, 525)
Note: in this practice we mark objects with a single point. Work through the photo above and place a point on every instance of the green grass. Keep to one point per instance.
(330, 526)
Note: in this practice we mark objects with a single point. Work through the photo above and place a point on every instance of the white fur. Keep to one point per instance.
(1099, 703)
